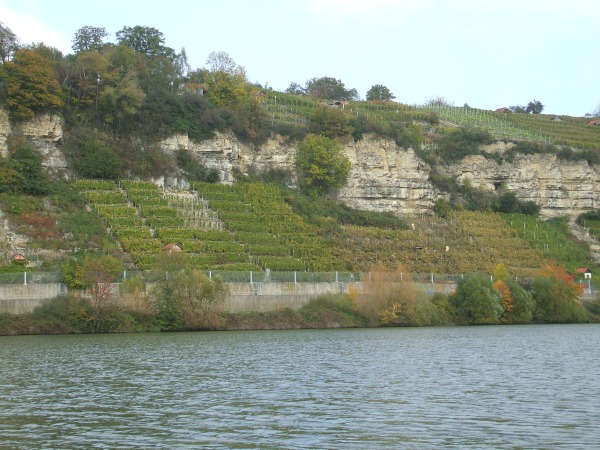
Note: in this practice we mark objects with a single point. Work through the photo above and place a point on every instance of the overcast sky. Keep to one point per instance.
(486, 53)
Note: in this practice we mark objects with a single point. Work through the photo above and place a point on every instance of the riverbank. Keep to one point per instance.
(70, 315)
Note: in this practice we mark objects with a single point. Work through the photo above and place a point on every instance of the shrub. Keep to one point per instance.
(476, 301)
(98, 161)
(462, 142)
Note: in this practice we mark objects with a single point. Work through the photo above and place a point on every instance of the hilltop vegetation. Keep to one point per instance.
(119, 99)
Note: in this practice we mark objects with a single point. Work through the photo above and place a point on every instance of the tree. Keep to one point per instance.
(534, 107)
(122, 100)
(185, 298)
(97, 161)
(145, 40)
(226, 80)
(321, 165)
(296, 89)
(476, 301)
(500, 272)
(27, 163)
(437, 101)
(556, 296)
(329, 88)
(521, 306)
(380, 92)
(8, 43)
(518, 109)
(89, 38)
(32, 86)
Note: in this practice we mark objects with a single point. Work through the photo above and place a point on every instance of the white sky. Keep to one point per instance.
(486, 53)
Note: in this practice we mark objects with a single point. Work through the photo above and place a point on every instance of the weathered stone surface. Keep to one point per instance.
(559, 187)
(388, 178)
(44, 132)
(44, 127)
(4, 132)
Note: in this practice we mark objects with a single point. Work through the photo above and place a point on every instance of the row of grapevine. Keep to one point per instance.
(259, 218)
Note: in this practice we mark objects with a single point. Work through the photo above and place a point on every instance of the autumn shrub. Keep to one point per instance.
(186, 299)
(388, 297)
(476, 302)
(557, 296)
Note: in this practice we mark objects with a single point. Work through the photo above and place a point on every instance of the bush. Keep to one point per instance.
(476, 302)
(330, 122)
(321, 165)
(98, 161)
(557, 297)
(463, 142)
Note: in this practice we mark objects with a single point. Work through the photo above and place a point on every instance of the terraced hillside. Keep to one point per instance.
(248, 226)
(234, 228)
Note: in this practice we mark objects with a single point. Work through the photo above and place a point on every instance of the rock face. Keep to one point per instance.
(388, 178)
(4, 132)
(384, 177)
(44, 132)
(559, 187)
(225, 152)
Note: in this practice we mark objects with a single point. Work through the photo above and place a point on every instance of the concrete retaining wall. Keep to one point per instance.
(243, 297)
(272, 296)
(18, 298)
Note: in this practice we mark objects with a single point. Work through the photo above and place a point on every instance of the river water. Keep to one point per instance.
(460, 387)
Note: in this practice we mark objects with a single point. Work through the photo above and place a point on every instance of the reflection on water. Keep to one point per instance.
(477, 387)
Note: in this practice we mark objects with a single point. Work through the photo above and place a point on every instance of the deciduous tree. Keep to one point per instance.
(476, 301)
(185, 298)
(145, 40)
(556, 295)
(32, 86)
(296, 89)
(329, 88)
(330, 122)
(226, 80)
(380, 92)
(89, 38)
(321, 165)
(534, 107)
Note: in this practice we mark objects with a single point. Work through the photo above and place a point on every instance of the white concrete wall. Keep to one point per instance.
(243, 297)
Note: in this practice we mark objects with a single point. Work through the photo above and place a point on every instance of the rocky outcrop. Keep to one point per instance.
(225, 152)
(388, 178)
(4, 132)
(44, 132)
(384, 177)
(559, 187)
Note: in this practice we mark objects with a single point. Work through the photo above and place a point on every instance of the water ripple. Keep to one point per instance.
(476, 387)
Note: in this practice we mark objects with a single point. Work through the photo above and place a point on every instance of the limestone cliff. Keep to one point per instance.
(385, 177)
(559, 187)
(44, 132)
(4, 132)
